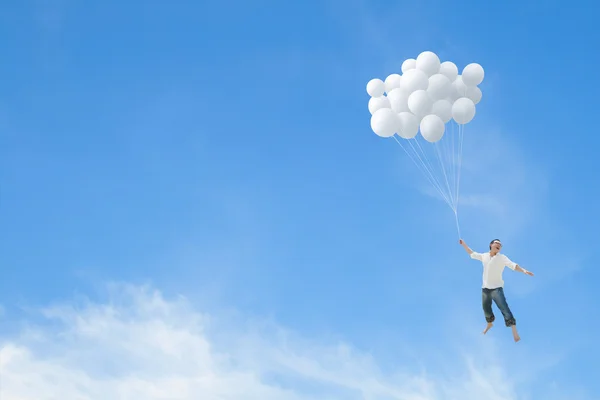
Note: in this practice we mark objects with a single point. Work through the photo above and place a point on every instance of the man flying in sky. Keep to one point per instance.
(493, 285)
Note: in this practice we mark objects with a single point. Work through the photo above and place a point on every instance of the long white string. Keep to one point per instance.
(447, 151)
(428, 174)
(431, 168)
(461, 131)
(454, 158)
(437, 150)
(461, 136)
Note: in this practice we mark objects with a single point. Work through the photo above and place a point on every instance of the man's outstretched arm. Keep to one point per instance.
(523, 270)
(467, 248)
(516, 267)
(474, 255)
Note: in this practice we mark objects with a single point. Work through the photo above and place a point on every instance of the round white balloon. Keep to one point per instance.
(428, 62)
(453, 96)
(408, 64)
(409, 125)
(459, 88)
(432, 128)
(474, 93)
(392, 82)
(375, 87)
(473, 74)
(413, 80)
(385, 122)
(419, 103)
(463, 110)
(398, 100)
(449, 69)
(443, 109)
(439, 87)
(376, 103)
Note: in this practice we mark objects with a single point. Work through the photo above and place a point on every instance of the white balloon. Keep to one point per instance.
(398, 100)
(473, 74)
(385, 122)
(409, 125)
(375, 87)
(453, 95)
(449, 69)
(439, 87)
(460, 89)
(409, 64)
(432, 128)
(392, 82)
(376, 103)
(474, 93)
(414, 79)
(428, 62)
(443, 109)
(463, 110)
(419, 103)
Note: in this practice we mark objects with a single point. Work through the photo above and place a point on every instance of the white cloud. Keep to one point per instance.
(139, 345)
(501, 190)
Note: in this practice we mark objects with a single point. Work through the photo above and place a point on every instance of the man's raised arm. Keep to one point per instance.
(470, 252)
(464, 245)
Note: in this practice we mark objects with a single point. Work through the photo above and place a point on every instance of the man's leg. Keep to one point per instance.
(509, 319)
(486, 302)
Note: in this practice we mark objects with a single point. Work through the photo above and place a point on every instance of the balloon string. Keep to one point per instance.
(461, 133)
(457, 224)
(426, 167)
(425, 170)
(439, 157)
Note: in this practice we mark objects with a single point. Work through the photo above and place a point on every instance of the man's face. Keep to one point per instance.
(496, 245)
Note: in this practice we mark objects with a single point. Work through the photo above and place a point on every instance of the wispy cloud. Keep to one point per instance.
(140, 345)
(501, 189)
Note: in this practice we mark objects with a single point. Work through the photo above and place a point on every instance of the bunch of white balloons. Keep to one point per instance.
(427, 95)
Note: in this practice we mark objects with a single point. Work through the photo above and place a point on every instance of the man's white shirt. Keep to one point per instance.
(492, 268)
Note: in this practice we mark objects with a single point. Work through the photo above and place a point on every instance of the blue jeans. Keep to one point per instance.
(497, 295)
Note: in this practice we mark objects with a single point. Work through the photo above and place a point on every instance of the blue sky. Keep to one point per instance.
(222, 152)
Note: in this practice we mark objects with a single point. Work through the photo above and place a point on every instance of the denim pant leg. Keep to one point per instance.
(486, 302)
(500, 300)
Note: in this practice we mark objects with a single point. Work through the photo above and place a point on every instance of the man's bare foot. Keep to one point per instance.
(515, 334)
(488, 327)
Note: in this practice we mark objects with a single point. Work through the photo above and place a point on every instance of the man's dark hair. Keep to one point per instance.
(493, 242)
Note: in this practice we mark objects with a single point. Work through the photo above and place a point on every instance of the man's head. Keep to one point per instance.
(495, 245)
